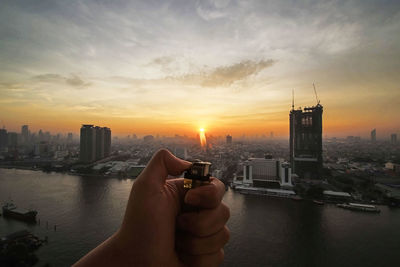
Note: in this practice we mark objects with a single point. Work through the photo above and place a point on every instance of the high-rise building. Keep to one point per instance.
(70, 138)
(95, 143)
(229, 139)
(99, 142)
(148, 138)
(3, 139)
(373, 135)
(25, 134)
(41, 135)
(107, 141)
(181, 152)
(306, 141)
(393, 139)
(12, 141)
(88, 143)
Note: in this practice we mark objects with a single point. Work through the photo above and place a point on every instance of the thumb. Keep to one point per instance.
(162, 164)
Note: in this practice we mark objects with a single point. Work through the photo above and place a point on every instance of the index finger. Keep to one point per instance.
(207, 196)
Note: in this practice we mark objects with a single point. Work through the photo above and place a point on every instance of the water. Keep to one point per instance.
(264, 231)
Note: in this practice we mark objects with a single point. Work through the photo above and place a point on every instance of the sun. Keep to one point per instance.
(202, 130)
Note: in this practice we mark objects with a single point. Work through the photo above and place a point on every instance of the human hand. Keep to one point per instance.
(155, 231)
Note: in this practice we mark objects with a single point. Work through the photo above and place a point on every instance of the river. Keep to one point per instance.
(265, 231)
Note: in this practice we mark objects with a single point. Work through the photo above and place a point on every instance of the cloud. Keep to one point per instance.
(73, 80)
(227, 75)
(76, 81)
(48, 77)
(162, 61)
(212, 9)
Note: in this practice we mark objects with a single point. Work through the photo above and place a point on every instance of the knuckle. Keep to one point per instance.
(161, 153)
(226, 235)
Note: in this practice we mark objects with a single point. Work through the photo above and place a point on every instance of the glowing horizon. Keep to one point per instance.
(170, 68)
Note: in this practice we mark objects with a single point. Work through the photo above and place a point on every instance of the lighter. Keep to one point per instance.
(197, 175)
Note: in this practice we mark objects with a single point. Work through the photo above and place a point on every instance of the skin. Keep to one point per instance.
(165, 224)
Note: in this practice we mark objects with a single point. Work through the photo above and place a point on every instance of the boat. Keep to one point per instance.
(11, 211)
(318, 202)
(249, 190)
(359, 207)
(297, 198)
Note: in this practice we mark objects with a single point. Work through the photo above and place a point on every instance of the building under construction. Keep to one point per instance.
(306, 141)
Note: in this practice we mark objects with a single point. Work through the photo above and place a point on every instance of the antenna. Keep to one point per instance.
(292, 99)
(316, 96)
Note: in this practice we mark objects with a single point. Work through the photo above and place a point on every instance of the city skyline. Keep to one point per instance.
(194, 134)
(174, 67)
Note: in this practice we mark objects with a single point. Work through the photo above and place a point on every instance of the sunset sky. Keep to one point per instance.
(167, 67)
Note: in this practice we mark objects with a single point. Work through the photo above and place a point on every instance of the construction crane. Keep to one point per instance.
(316, 96)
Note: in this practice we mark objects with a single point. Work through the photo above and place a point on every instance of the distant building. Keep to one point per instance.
(373, 135)
(3, 139)
(42, 149)
(148, 138)
(393, 139)
(12, 141)
(306, 141)
(107, 141)
(88, 143)
(95, 143)
(229, 139)
(267, 172)
(25, 134)
(70, 138)
(99, 142)
(271, 135)
(181, 152)
(393, 166)
(41, 135)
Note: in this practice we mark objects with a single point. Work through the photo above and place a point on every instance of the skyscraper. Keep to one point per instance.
(306, 141)
(107, 141)
(69, 138)
(12, 141)
(88, 143)
(25, 134)
(95, 143)
(393, 139)
(99, 142)
(3, 139)
(373, 135)
(229, 139)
